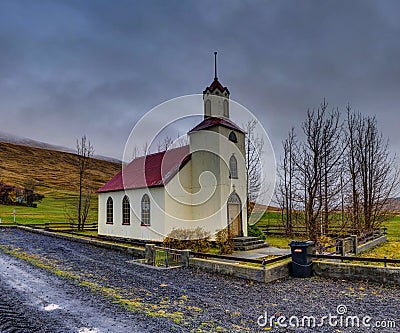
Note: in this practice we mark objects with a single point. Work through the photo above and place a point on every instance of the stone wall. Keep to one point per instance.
(336, 270)
(267, 274)
(136, 252)
(370, 244)
(350, 245)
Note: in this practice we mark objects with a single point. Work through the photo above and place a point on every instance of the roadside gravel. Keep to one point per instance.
(175, 300)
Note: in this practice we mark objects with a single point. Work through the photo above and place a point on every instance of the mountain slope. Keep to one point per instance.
(56, 176)
(18, 140)
(52, 170)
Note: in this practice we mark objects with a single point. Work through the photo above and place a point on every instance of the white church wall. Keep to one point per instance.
(135, 229)
(206, 198)
(103, 228)
(213, 212)
(178, 203)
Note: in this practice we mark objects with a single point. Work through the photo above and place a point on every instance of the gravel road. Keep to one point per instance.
(54, 285)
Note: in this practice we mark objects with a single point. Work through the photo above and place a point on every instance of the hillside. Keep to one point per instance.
(56, 176)
(23, 141)
(51, 169)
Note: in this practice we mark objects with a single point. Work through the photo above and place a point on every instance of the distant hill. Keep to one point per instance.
(18, 140)
(394, 204)
(53, 170)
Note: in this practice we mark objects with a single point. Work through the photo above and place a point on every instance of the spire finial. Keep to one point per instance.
(215, 66)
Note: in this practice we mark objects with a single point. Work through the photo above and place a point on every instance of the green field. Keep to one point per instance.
(391, 249)
(56, 176)
(273, 219)
(51, 209)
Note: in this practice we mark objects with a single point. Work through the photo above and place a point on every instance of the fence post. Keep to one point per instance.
(340, 247)
(166, 258)
(149, 254)
(355, 244)
(185, 258)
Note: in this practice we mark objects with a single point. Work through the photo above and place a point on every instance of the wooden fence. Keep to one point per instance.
(334, 231)
(61, 226)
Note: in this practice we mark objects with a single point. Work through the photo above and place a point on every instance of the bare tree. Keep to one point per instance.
(286, 187)
(180, 141)
(164, 144)
(331, 162)
(340, 173)
(135, 152)
(351, 166)
(309, 172)
(374, 172)
(254, 146)
(84, 153)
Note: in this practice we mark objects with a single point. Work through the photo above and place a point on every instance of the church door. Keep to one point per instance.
(235, 215)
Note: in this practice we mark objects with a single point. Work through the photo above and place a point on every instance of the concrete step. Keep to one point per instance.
(248, 243)
(244, 239)
(251, 247)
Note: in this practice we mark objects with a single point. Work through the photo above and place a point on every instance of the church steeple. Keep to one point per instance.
(216, 97)
(215, 66)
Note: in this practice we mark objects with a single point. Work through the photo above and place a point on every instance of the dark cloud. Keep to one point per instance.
(95, 67)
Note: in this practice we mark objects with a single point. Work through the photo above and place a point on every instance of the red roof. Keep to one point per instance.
(216, 85)
(214, 121)
(149, 171)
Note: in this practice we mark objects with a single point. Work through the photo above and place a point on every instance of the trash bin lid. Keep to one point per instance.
(301, 243)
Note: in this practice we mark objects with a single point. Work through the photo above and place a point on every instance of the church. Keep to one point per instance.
(202, 184)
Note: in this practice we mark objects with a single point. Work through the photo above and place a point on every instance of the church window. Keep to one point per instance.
(232, 137)
(145, 210)
(233, 167)
(208, 107)
(226, 108)
(109, 214)
(126, 210)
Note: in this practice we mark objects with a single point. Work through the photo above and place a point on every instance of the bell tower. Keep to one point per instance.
(216, 97)
(218, 169)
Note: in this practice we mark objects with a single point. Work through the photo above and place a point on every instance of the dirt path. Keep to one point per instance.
(33, 301)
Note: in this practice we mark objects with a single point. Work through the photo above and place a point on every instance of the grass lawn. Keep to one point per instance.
(390, 249)
(272, 219)
(51, 209)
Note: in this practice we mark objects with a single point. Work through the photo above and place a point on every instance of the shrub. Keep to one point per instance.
(194, 239)
(324, 241)
(254, 231)
(224, 241)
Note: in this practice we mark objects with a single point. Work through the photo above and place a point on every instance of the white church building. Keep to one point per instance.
(202, 184)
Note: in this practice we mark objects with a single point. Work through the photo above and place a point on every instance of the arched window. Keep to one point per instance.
(226, 108)
(232, 137)
(208, 107)
(233, 167)
(234, 199)
(126, 211)
(110, 211)
(145, 210)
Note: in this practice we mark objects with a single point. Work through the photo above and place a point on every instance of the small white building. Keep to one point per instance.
(202, 184)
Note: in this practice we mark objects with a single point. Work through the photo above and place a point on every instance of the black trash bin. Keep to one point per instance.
(301, 258)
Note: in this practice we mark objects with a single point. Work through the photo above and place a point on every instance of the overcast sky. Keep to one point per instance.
(69, 68)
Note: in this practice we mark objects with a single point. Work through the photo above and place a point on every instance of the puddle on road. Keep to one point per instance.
(87, 330)
(51, 307)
